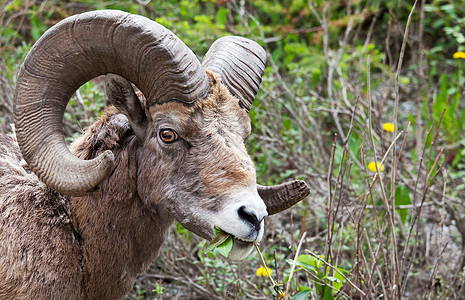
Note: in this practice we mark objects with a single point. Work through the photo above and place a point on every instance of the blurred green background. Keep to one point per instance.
(337, 71)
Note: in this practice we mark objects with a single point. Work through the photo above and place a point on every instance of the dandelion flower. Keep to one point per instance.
(388, 127)
(262, 272)
(458, 55)
(372, 167)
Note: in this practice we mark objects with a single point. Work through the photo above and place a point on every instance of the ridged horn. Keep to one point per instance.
(281, 197)
(241, 63)
(73, 52)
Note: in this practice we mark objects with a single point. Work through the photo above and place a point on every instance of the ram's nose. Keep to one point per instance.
(251, 217)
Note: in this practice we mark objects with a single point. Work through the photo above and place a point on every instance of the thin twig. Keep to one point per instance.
(394, 162)
(425, 188)
(339, 272)
(330, 201)
(288, 285)
(441, 238)
(390, 213)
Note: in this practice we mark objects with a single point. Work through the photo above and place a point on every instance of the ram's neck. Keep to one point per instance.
(120, 236)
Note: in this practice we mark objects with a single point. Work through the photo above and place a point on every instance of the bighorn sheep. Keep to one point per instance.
(82, 223)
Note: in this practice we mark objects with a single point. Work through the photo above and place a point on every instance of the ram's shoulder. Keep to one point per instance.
(35, 226)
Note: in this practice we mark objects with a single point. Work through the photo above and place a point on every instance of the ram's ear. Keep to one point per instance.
(121, 94)
(281, 197)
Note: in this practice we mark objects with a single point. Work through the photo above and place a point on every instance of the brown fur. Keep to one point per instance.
(92, 247)
(35, 230)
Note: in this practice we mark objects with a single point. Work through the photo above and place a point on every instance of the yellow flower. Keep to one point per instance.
(388, 127)
(372, 167)
(262, 272)
(459, 55)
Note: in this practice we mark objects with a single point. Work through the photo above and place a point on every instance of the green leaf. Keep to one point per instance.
(338, 284)
(287, 123)
(179, 228)
(309, 263)
(219, 239)
(302, 295)
(333, 279)
(221, 17)
(412, 119)
(327, 293)
(223, 242)
(402, 197)
(225, 247)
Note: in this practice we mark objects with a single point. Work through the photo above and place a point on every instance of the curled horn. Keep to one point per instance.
(241, 63)
(76, 50)
(281, 197)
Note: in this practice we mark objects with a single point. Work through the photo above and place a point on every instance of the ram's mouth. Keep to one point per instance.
(230, 245)
(240, 241)
(241, 249)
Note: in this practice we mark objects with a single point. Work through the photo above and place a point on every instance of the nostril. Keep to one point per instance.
(250, 217)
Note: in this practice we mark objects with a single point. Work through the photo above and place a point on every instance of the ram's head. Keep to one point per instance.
(192, 122)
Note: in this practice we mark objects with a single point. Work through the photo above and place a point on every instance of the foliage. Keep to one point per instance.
(327, 285)
(337, 73)
(223, 242)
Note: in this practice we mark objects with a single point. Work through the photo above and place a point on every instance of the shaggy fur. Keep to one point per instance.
(36, 229)
(58, 247)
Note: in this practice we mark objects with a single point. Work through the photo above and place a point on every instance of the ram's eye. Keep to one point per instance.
(168, 136)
